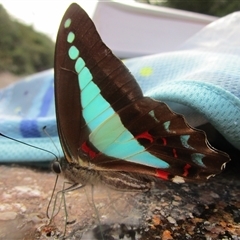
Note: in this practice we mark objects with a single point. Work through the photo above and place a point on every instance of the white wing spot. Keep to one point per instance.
(178, 179)
(152, 114)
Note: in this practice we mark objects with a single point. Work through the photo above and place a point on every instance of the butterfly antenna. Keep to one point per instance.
(27, 144)
(48, 135)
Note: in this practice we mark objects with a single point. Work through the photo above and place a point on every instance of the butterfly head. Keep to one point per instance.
(56, 166)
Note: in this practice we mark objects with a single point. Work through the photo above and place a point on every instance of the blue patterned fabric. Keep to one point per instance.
(201, 80)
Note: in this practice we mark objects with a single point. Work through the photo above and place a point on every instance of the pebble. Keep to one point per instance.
(171, 220)
(5, 206)
(214, 195)
(5, 216)
(166, 235)
(6, 195)
(25, 190)
(175, 203)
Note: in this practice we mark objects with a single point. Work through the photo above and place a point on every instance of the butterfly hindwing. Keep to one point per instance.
(104, 120)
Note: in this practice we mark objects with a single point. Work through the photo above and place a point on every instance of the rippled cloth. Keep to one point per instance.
(200, 80)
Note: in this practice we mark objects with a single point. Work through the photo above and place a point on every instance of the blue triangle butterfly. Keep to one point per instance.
(109, 131)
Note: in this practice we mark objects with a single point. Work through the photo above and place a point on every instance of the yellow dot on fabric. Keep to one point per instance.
(146, 71)
(17, 109)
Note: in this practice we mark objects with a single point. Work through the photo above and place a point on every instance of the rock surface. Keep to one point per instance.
(209, 210)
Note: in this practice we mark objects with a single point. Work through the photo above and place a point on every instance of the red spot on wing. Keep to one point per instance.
(164, 141)
(186, 167)
(162, 174)
(85, 148)
(145, 135)
(175, 153)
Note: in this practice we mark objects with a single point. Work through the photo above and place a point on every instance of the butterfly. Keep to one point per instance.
(110, 133)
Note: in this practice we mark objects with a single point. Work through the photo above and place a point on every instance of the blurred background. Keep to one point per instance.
(28, 28)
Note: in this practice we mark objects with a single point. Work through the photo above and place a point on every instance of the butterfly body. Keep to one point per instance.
(77, 174)
(110, 132)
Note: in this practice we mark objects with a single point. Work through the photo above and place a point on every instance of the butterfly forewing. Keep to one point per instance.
(104, 119)
(111, 77)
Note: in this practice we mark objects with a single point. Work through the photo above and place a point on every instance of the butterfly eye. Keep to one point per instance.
(56, 167)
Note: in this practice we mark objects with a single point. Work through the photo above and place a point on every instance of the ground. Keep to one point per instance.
(209, 210)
